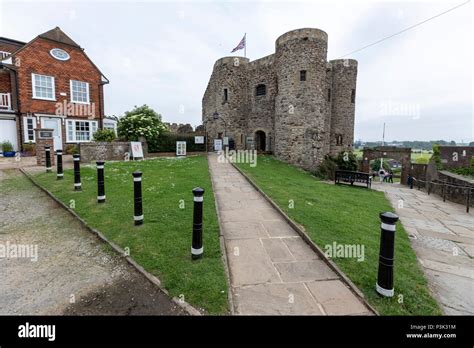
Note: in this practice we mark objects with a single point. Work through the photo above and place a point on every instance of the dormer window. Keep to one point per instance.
(260, 90)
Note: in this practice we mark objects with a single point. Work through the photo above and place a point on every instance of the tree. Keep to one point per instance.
(375, 165)
(141, 121)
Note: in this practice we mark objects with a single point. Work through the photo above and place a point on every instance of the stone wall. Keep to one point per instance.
(456, 156)
(454, 194)
(105, 151)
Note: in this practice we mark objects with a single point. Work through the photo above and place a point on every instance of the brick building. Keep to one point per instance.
(49, 82)
(293, 103)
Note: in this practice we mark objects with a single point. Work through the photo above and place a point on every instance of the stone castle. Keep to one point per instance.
(293, 103)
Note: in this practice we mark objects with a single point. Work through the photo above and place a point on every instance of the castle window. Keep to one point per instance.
(329, 94)
(338, 139)
(226, 95)
(260, 90)
(353, 96)
(302, 75)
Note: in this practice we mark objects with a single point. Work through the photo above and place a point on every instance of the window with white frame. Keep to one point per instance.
(110, 124)
(4, 54)
(43, 87)
(29, 124)
(79, 92)
(80, 131)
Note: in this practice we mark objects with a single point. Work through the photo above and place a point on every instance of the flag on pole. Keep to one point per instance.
(240, 45)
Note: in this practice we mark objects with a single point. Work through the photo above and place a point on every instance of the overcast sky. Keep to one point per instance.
(161, 54)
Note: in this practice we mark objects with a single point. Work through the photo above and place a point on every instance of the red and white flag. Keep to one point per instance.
(240, 45)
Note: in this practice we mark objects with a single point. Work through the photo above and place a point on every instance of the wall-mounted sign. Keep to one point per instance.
(59, 54)
(180, 148)
(217, 144)
(249, 140)
(45, 134)
(226, 140)
(137, 150)
(199, 139)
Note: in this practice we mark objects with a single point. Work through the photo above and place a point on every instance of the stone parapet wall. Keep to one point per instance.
(455, 188)
(104, 151)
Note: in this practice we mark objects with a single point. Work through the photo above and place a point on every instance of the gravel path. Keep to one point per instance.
(75, 273)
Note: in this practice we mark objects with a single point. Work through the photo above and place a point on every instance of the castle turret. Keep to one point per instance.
(343, 92)
(301, 112)
(226, 94)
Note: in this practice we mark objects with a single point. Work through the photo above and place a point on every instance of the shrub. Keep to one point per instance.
(7, 146)
(327, 168)
(375, 166)
(30, 148)
(71, 149)
(437, 156)
(141, 121)
(107, 135)
(346, 160)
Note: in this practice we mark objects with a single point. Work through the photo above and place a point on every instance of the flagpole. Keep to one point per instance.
(245, 47)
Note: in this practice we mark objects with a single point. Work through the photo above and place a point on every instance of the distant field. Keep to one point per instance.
(417, 156)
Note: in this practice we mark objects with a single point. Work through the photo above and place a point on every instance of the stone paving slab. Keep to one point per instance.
(273, 271)
(335, 298)
(443, 239)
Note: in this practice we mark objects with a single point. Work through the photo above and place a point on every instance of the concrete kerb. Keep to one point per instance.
(312, 245)
(223, 252)
(153, 279)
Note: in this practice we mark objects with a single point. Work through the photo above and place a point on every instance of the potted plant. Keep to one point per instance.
(7, 149)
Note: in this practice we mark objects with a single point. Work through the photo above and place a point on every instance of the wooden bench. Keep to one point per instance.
(349, 177)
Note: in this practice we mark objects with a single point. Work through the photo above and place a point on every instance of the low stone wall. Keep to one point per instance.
(454, 188)
(95, 151)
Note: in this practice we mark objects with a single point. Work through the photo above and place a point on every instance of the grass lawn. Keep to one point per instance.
(162, 245)
(347, 215)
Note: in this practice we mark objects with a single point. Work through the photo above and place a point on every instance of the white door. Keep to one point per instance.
(55, 124)
(8, 132)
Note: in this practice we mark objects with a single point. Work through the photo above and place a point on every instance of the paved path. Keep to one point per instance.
(272, 270)
(442, 235)
(72, 263)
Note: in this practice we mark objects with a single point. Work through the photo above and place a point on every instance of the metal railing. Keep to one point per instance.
(5, 101)
(445, 188)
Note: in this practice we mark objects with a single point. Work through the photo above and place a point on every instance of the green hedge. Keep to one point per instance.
(166, 142)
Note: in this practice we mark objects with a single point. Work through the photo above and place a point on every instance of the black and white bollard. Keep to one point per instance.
(100, 182)
(77, 172)
(59, 164)
(197, 249)
(47, 151)
(137, 189)
(387, 245)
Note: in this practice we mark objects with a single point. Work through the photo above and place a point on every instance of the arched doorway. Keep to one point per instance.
(401, 154)
(260, 140)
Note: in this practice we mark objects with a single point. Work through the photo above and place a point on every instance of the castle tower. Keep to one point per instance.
(343, 90)
(226, 94)
(301, 107)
